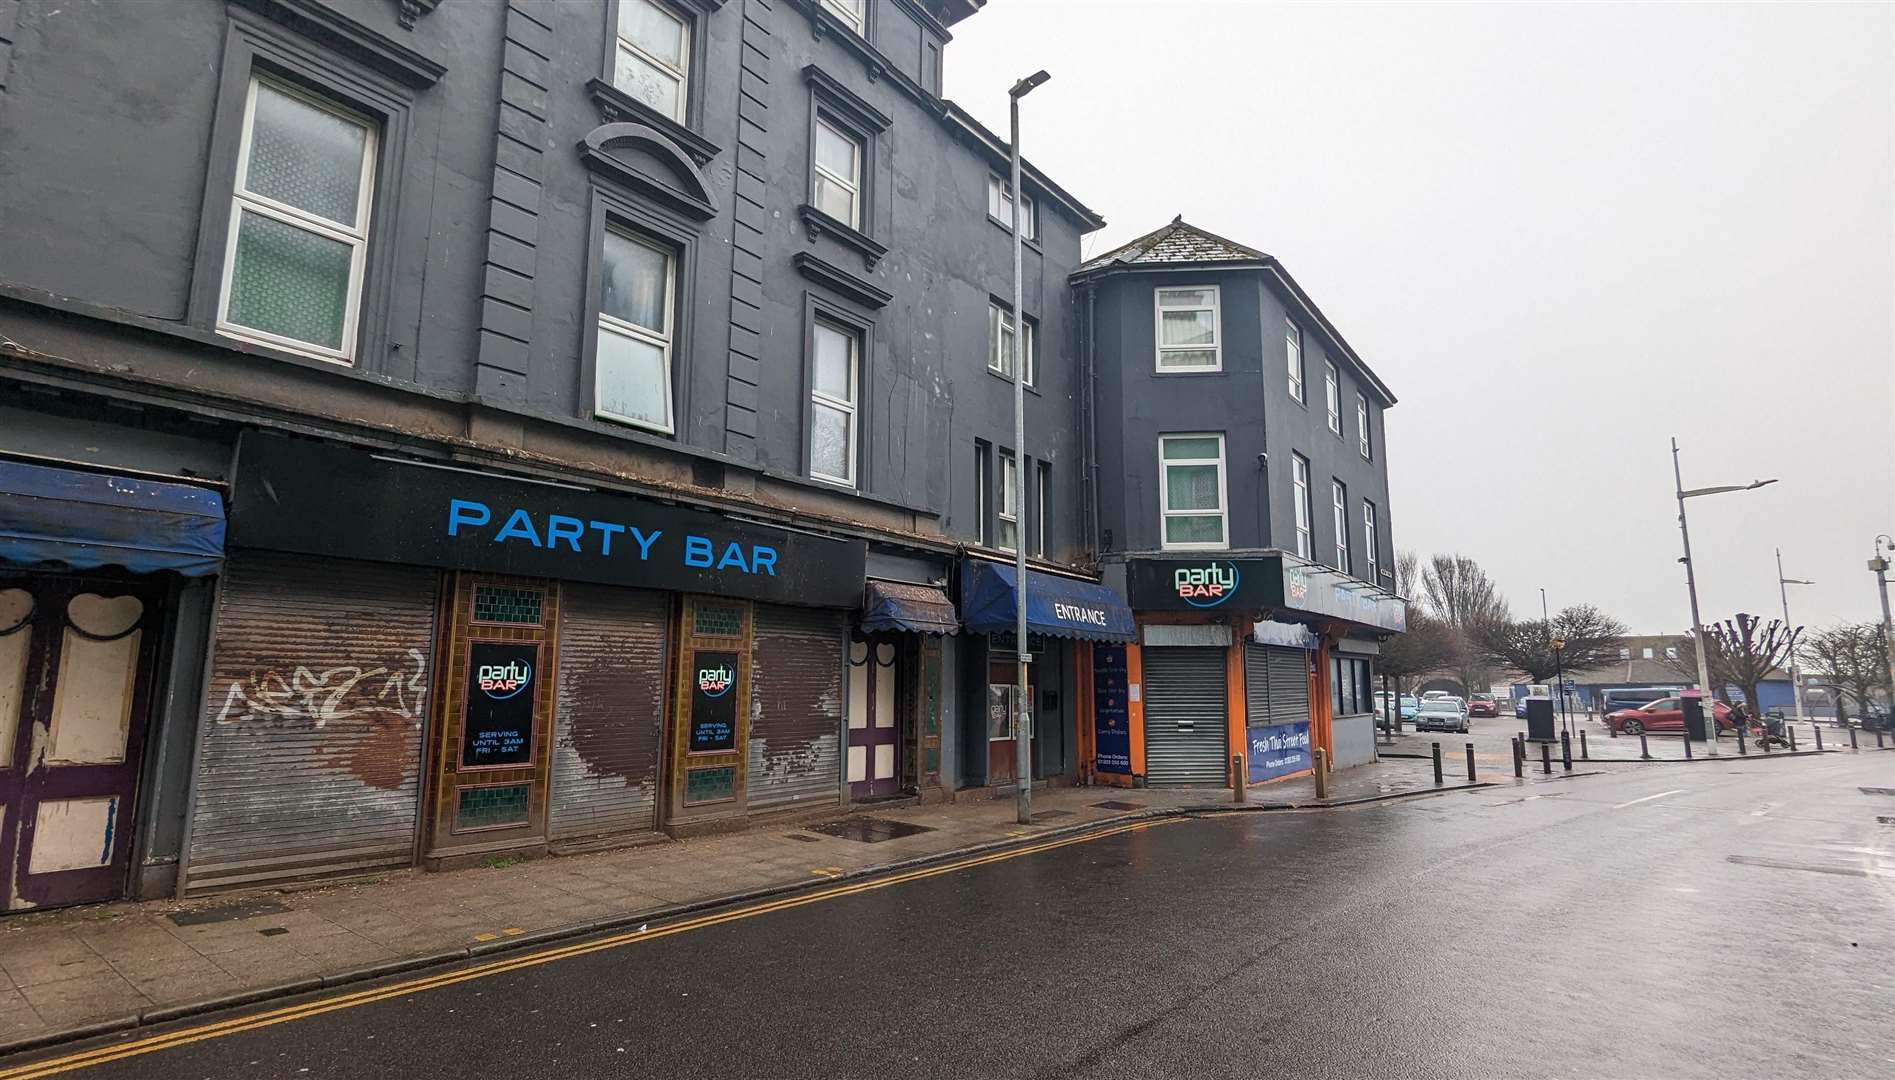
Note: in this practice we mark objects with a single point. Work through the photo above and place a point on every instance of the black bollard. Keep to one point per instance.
(1791, 728)
(1566, 751)
(1816, 730)
(1644, 752)
(1519, 760)
(1470, 763)
(1742, 739)
(1546, 758)
(1687, 745)
(1584, 754)
(1763, 739)
(1437, 764)
(1852, 739)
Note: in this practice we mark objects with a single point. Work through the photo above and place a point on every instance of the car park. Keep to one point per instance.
(1665, 714)
(1441, 714)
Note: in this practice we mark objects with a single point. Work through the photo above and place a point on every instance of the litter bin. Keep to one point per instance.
(1694, 718)
(1540, 720)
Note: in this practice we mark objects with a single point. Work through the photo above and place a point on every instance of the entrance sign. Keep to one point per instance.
(502, 685)
(713, 702)
(1111, 716)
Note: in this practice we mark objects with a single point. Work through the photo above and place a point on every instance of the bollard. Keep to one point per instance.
(1742, 738)
(1566, 751)
(1470, 763)
(1321, 772)
(1644, 751)
(1237, 778)
(1878, 738)
(1687, 744)
(1584, 754)
(1519, 760)
(1437, 763)
(1546, 758)
(1763, 740)
(1791, 728)
(1852, 739)
(1817, 731)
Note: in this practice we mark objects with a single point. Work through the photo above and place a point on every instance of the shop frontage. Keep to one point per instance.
(896, 690)
(423, 664)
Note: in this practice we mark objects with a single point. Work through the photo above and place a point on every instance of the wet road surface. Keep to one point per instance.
(1713, 921)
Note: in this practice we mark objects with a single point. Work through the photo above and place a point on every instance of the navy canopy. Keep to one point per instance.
(1054, 605)
(914, 609)
(88, 520)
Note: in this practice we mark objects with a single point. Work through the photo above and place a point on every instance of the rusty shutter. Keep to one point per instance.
(610, 711)
(795, 752)
(318, 693)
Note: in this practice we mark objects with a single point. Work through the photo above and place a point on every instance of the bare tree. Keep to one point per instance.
(1589, 638)
(1685, 662)
(1752, 651)
(1851, 657)
(1461, 595)
(1426, 646)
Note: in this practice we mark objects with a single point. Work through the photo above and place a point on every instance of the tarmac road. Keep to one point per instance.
(1729, 920)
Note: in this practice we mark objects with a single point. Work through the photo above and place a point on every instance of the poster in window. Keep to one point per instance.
(713, 701)
(1111, 714)
(501, 690)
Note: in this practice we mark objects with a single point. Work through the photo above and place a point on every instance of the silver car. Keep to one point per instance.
(1442, 714)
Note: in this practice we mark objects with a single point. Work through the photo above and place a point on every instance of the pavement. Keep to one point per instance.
(118, 965)
(1725, 922)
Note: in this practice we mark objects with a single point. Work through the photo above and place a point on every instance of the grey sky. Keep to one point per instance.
(1556, 231)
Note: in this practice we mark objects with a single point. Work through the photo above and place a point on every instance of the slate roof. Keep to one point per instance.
(1177, 242)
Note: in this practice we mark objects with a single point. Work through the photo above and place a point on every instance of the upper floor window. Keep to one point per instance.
(1007, 536)
(1332, 392)
(1293, 342)
(1000, 208)
(654, 55)
(1191, 485)
(1371, 544)
(1299, 494)
(1000, 327)
(833, 382)
(1339, 513)
(1188, 331)
(836, 173)
(1648, 652)
(1362, 427)
(1043, 500)
(852, 12)
(983, 492)
(637, 281)
(1624, 653)
(1671, 652)
(299, 224)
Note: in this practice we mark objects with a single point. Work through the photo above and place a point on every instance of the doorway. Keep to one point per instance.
(876, 668)
(1003, 748)
(75, 692)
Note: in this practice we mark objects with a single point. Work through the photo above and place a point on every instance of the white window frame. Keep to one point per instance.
(1625, 653)
(1671, 652)
(355, 236)
(1332, 391)
(854, 13)
(1216, 347)
(1009, 498)
(1648, 652)
(1305, 511)
(1293, 349)
(1370, 542)
(1165, 513)
(1001, 324)
(1339, 519)
(1042, 479)
(983, 460)
(1362, 435)
(817, 397)
(851, 184)
(683, 72)
(608, 324)
(1000, 209)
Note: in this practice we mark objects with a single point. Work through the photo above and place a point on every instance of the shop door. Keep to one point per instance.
(1186, 732)
(609, 722)
(1003, 747)
(75, 686)
(794, 753)
(874, 733)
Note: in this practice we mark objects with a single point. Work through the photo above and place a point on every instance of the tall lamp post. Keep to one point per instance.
(1783, 593)
(1691, 584)
(1559, 672)
(1023, 721)
(1879, 564)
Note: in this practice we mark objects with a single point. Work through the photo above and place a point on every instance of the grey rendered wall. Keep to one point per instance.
(1355, 740)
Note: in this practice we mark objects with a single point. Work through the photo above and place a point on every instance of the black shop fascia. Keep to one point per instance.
(317, 499)
(1273, 584)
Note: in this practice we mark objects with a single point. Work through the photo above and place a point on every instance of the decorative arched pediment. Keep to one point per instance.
(643, 159)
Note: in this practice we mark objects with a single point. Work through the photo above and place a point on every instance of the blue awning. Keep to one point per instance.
(87, 520)
(913, 609)
(1054, 605)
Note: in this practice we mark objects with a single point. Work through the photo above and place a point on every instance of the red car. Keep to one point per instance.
(1482, 705)
(1665, 714)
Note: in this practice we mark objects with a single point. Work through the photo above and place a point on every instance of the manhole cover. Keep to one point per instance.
(227, 913)
(1048, 815)
(1885, 819)
(1114, 804)
(869, 830)
(1877, 790)
(803, 838)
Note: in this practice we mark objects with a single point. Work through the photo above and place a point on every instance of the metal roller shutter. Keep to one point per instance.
(795, 746)
(318, 694)
(1276, 684)
(610, 712)
(1185, 718)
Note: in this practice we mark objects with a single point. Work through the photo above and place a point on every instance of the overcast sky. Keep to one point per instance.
(1562, 234)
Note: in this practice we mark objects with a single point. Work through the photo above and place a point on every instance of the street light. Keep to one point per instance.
(1879, 564)
(1783, 593)
(1691, 584)
(1023, 723)
(1559, 672)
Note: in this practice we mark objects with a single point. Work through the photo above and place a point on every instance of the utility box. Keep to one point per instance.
(1693, 717)
(1540, 720)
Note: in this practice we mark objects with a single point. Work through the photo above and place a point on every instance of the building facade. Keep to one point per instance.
(436, 430)
(1239, 494)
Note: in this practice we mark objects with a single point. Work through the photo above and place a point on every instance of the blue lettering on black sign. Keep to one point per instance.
(583, 537)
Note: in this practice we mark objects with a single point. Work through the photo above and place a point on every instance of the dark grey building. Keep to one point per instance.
(1240, 493)
(594, 399)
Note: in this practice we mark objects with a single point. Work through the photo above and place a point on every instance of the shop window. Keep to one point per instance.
(654, 56)
(1350, 686)
(1189, 334)
(637, 285)
(713, 620)
(508, 605)
(490, 807)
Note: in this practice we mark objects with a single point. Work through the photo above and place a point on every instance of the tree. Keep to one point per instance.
(1851, 656)
(1461, 595)
(1717, 662)
(1426, 645)
(1751, 651)
(1589, 638)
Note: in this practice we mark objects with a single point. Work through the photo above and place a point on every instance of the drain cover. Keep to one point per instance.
(227, 913)
(1114, 804)
(869, 830)
(1877, 790)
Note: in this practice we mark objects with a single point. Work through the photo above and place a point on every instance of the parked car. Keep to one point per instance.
(1410, 706)
(1441, 714)
(1665, 714)
(1613, 699)
(1520, 708)
(1433, 694)
(1482, 705)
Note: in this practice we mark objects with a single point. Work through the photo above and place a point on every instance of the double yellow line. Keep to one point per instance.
(186, 1036)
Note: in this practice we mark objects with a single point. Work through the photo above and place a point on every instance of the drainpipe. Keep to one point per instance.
(1089, 428)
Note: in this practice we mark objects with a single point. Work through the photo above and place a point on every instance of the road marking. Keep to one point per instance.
(1616, 806)
(186, 1036)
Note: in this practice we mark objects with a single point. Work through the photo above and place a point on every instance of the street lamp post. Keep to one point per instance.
(1023, 721)
(1879, 564)
(1783, 593)
(1559, 673)
(1691, 585)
